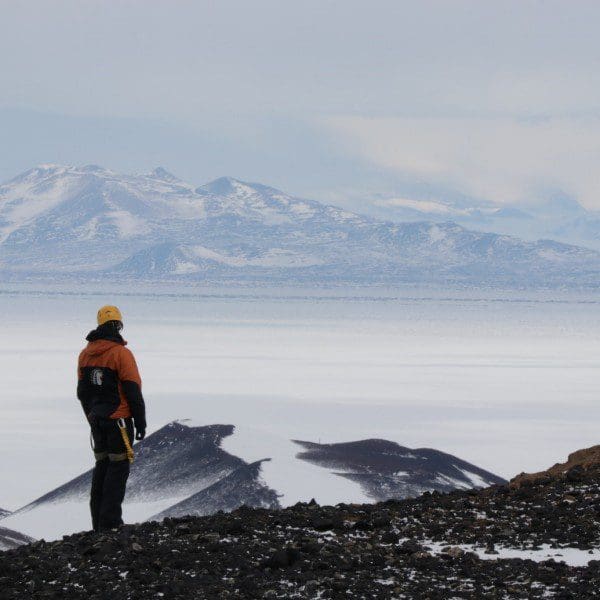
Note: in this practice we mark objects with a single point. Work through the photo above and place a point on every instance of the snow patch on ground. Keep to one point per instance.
(275, 257)
(184, 267)
(427, 206)
(202, 252)
(571, 556)
(128, 225)
(457, 483)
(476, 480)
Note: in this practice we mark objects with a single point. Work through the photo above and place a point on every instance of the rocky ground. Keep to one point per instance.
(436, 546)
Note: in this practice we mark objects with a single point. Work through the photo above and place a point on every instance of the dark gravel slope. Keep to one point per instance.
(395, 549)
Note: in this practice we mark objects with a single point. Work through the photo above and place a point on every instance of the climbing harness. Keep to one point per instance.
(123, 430)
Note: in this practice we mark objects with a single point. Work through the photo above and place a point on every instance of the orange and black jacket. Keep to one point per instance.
(109, 384)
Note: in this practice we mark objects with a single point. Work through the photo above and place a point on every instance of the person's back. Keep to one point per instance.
(110, 391)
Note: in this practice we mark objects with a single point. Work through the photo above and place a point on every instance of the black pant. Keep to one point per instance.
(110, 473)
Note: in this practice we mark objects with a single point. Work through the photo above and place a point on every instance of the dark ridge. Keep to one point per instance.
(12, 539)
(241, 487)
(174, 457)
(386, 470)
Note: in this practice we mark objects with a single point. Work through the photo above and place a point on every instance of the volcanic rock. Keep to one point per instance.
(436, 546)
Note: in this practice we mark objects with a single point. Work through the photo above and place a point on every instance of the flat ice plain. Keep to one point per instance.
(506, 381)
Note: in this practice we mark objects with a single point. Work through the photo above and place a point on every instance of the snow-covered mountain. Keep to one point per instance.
(4, 513)
(188, 469)
(560, 219)
(89, 222)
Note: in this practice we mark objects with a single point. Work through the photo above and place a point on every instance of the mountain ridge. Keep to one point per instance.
(91, 223)
(559, 218)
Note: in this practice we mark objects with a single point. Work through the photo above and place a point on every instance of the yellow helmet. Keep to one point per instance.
(109, 313)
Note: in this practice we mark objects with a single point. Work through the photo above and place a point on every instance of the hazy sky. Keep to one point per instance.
(493, 99)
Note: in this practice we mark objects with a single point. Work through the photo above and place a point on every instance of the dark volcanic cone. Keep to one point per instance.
(385, 469)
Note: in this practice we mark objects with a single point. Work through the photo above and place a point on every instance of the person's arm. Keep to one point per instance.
(131, 384)
(83, 394)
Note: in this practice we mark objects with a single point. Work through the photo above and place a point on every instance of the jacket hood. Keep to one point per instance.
(105, 332)
(101, 339)
(97, 347)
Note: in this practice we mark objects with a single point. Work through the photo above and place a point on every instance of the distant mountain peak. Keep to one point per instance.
(93, 169)
(39, 171)
(230, 186)
(224, 186)
(48, 167)
(162, 173)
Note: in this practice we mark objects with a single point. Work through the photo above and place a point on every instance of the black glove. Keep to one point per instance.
(140, 433)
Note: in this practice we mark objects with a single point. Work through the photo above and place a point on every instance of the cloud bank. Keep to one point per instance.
(501, 159)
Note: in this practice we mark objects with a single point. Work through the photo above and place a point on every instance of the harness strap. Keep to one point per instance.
(117, 457)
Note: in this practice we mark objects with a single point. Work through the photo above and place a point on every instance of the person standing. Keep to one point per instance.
(109, 388)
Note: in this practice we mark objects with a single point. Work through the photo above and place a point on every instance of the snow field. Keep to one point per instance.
(509, 385)
(297, 480)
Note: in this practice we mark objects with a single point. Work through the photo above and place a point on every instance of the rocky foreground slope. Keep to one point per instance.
(538, 539)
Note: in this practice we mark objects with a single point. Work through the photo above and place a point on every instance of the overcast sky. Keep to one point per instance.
(338, 100)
